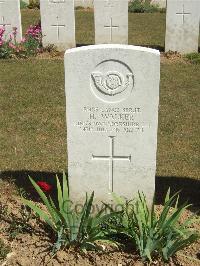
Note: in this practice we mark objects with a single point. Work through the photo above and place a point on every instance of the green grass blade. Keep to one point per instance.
(56, 216)
(118, 200)
(60, 197)
(173, 219)
(180, 244)
(43, 197)
(167, 196)
(43, 215)
(84, 218)
(65, 188)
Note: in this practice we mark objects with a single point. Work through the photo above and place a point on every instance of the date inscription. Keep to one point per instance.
(111, 120)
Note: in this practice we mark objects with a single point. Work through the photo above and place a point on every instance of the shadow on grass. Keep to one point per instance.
(157, 47)
(82, 44)
(190, 188)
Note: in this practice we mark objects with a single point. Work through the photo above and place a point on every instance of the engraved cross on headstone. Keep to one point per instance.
(111, 158)
(58, 26)
(3, 22)
(111, 27)
(183, 14)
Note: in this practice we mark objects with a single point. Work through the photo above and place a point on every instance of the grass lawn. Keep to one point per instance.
(33, 142)
(144, 29)
(32, 117)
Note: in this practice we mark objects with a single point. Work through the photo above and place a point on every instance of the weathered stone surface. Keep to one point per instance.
(58, 23)
(111, 21)
(182, 26)
(112, 95)
(10, 17)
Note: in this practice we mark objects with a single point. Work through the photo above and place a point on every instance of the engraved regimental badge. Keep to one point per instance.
(112, 81)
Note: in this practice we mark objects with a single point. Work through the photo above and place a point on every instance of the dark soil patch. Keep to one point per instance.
(34, 248)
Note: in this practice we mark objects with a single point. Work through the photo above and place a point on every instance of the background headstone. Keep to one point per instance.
(10, 17)
(58, 23)
(112, 97)
(182, 26)
(111, 21)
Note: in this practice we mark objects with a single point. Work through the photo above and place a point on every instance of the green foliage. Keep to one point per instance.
(5, 52)
(23, 4)
(4, 249)
(72, 228)
(143, 6)
(154, 235)
(194, 58)
(30, 45)
(34, 4)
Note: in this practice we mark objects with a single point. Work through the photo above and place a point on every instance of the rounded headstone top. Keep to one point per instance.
(113, 46)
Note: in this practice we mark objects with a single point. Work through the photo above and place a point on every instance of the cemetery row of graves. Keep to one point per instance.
(58, 25)
(117, 116)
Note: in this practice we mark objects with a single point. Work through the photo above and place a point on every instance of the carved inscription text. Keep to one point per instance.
(111, 120)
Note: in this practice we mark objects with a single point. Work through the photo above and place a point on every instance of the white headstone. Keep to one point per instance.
(58, 23)
(182, 26)
(111, 21)
(10, 17)
(112, 97)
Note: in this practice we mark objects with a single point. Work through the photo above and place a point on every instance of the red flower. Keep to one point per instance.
(44, 186)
